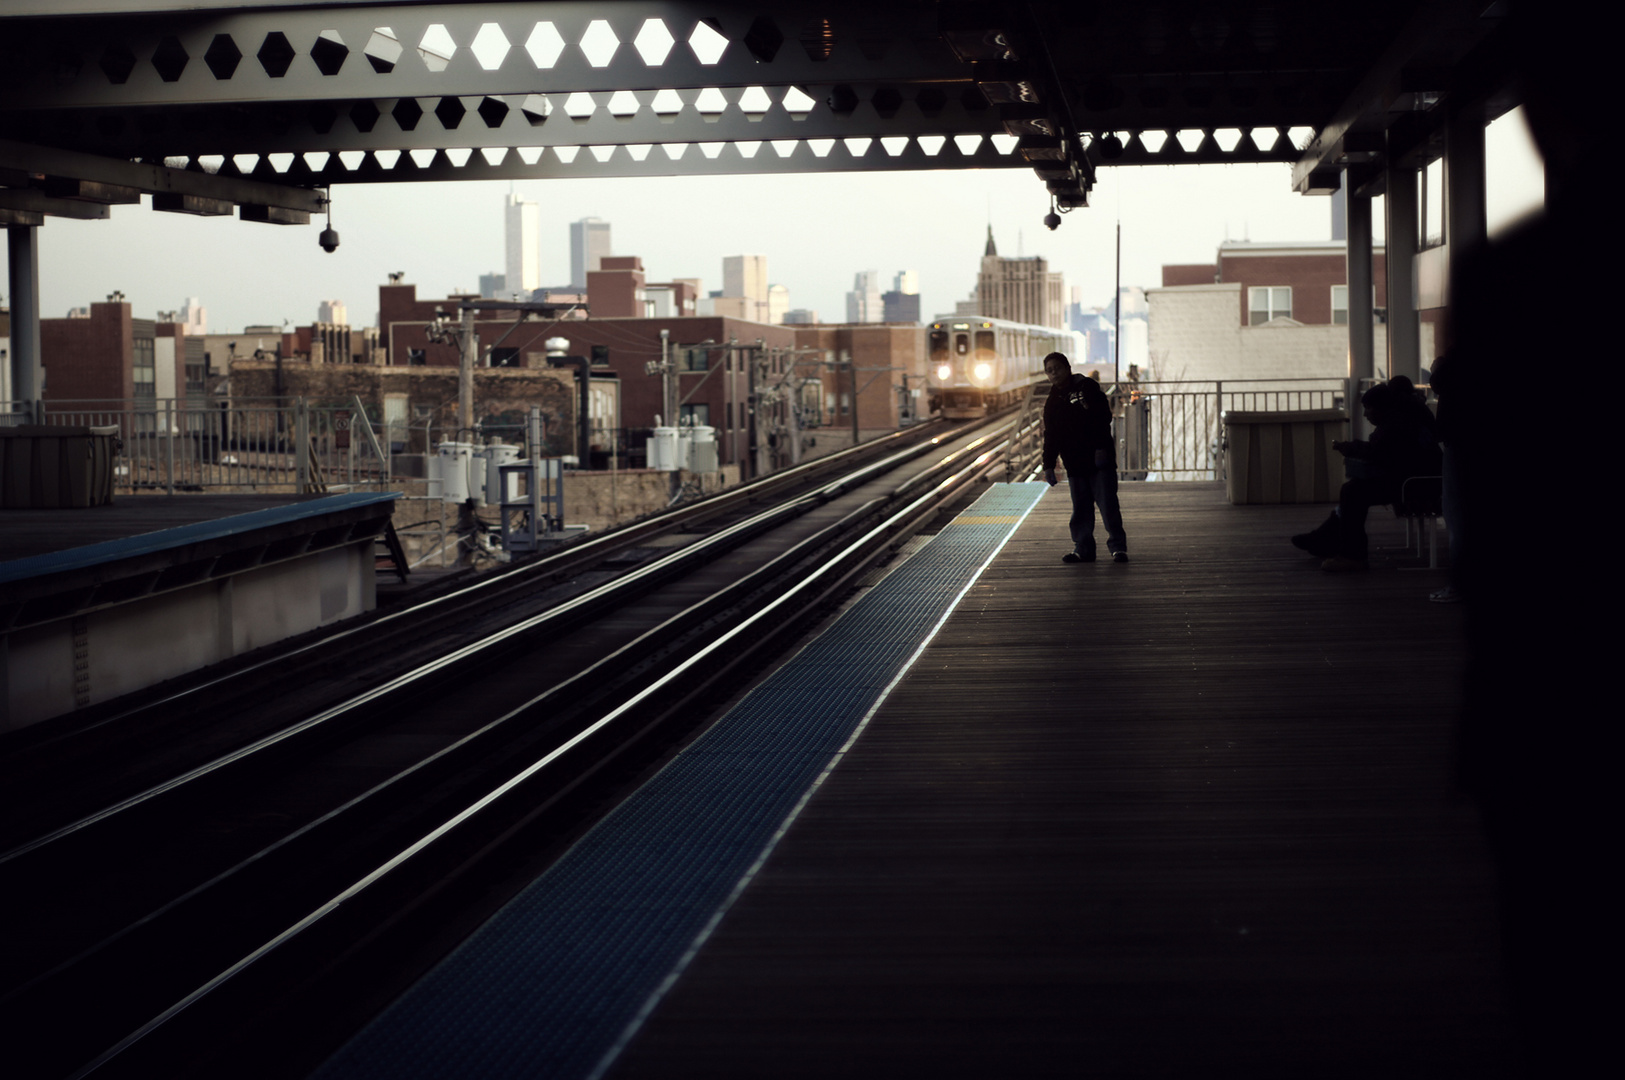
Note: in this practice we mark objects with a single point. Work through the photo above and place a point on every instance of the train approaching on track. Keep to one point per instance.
(979, 365)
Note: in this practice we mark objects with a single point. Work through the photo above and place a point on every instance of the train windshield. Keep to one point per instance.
(961, 344)
(984, 341)
(939, 346)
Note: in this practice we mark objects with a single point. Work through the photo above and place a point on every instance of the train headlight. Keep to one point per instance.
(944, 371)
(984, 371)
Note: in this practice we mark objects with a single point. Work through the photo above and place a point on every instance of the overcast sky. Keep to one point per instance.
(817, 231)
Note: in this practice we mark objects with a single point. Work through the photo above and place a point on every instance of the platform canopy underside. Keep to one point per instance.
(211, 107)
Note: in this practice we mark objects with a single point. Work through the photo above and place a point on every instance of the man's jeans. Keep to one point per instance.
(1096, 488)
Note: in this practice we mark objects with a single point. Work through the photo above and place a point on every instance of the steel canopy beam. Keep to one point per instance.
(45, 161)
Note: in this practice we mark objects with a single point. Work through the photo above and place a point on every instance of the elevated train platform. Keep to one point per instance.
(105, 600)
(1187, 816)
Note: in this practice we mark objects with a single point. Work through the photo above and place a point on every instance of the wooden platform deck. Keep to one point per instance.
(1190, 816)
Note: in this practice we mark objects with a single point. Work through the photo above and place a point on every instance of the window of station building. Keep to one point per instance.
(417, 357)
(145, 368)
(600, 355)
(1340, 304)
(694, 357)
(1430, 207)
(505, 357)
(1268, 302)
(698, 415)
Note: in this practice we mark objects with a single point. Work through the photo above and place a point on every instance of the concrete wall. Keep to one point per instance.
(1195, 335)
(52, 669)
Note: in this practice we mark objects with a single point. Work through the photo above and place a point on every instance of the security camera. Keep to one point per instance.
(1052, 221)
(329, 239)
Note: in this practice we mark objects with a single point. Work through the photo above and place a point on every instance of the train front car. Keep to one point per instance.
(966, 367)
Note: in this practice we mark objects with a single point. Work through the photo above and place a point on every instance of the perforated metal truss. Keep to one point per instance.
(509, 90)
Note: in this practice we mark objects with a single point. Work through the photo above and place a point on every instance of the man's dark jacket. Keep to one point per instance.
(1077, 422)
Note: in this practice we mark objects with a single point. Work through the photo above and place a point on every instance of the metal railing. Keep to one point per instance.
(1175, 430)
(283, 444)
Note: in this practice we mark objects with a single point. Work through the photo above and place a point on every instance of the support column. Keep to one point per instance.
(27, 374)
(1404, 325)
(1465, 218)
(1362, 331)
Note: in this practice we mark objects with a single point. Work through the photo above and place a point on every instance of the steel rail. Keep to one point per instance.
(571, 557)
(610, 593)
(821, 579)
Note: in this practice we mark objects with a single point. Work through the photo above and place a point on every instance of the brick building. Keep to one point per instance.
(1262, 310)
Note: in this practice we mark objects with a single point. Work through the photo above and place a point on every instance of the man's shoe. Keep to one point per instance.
(1447, 595)
(1322, 542)
(1342, 564)
(1119, 556)
(1078, 556)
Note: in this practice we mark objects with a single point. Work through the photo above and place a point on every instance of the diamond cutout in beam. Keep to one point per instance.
(932, 144)
(223, 56)
(490, 46)
(857, 147)
(116, 63)
(821, 147)
(798, 103)
(1003, 142)
(280, 162)
(754, 102)
(437, 48)
(654, 43)
(708, 44)
(450, 112)
(275, 54)
(623, 104)
(352, 159)
(170, 58)
(968, 144)
(329, 52)
(894, 144)
(316, 160)
(383, 50)
(1189, 139)
(530, 155)
(1153, 140)
(493, 111)
(602, 153)
(494, 155)
(711, 103)
(579, 105)
(599, 43)
(675, 151)
(544, 45)
(1227, 138)
(1301, 137)
(887, 100)
(667, 104)
(386, 158)
(407, 112)
(422, 157)
(764, 39)
(364, 115)
(567, 154)
(711, 149)
(785, 147)
(535, 109)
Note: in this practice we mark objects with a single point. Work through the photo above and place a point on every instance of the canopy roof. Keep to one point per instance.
(211, 106)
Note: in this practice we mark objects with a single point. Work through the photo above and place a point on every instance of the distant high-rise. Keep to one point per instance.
(1022, 290)
(195, 318)
(589, 244)
(493, 286)
(902, 304)
(778, 303)
(906, 282)
(863, 302)
(745, 277)
(333, 312)
(523, 221)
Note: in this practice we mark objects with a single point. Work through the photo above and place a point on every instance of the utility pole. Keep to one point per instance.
(465, 378)
(668, 381)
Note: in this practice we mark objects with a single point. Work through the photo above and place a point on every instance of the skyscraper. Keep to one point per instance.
(745, 276)
(523, 221)
(1022, 290)
(863, 302)
(589, 243)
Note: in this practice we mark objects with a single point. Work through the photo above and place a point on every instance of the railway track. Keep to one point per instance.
(266, 888)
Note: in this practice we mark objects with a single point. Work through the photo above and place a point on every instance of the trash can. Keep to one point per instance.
(49, 466)
(1283, 457)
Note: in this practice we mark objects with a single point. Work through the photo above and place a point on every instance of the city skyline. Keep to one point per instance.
(815, 228)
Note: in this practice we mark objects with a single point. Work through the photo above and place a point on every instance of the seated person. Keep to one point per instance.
(1402, 445)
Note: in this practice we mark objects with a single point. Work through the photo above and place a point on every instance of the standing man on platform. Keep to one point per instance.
(1078, 430)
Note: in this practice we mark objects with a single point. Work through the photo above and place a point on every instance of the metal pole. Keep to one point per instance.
(852, 366)
(27, 377)
(1117, 309)
(301, 446)
(465, 379)
(169, 445)
(1404, 324)
(1362, 320)
(668, 407)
